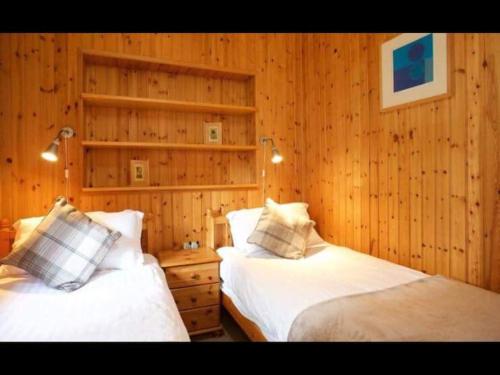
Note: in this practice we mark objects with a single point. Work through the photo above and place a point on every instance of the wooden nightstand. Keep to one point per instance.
(193, 278)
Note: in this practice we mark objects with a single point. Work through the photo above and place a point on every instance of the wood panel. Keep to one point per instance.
(419, 184)
(178, 277)
(197, 320)
(112, 101)
(196, 296)
(433, 179)
(39, 90)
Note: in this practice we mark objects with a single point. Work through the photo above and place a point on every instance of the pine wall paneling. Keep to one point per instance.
(420, 183)
(416, 185)
(39, 93)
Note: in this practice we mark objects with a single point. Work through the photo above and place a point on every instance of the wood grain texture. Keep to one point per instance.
(100, 100)
(39, 92)
(416, 185)
(251, 329)
(424, 178)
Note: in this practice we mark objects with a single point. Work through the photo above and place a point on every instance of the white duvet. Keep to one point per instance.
(272, 291)
(115, 305)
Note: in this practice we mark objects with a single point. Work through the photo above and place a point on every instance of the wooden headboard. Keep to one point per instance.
(214, 238)
(7, 235)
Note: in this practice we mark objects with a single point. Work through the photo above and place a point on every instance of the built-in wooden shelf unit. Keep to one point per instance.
(135, 107)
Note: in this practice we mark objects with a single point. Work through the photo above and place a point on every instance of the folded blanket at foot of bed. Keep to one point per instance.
(430, 309)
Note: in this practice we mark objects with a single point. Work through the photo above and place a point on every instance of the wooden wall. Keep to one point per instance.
(38, 95)
(417, 186)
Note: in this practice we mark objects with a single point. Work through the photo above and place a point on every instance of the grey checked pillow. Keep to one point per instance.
(64, 249)
(281, 233)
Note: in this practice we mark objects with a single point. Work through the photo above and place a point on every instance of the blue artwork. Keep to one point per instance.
(413, 64)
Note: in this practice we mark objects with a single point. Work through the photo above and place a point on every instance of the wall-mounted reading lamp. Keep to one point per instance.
(275, 159)
(50, 153)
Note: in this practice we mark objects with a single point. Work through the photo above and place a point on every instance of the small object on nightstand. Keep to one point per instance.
(193, 278)
(191, 245)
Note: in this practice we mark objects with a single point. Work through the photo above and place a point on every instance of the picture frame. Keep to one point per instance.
(212, 132)
(139, 172)
(414, 68)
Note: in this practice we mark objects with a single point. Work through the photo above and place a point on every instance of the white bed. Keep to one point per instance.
(115, 305)
(272, 291)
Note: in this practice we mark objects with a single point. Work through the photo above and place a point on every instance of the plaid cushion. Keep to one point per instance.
(281, 233)
(64, 249)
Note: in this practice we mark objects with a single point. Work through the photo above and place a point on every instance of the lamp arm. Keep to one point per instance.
(264, 139)
(66, 132)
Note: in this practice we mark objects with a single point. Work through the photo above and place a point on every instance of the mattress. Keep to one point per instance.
(272, 291)
(115, 305)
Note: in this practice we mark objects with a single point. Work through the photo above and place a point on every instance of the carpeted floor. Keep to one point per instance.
(232, 332)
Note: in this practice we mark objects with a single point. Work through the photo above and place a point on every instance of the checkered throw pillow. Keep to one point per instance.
(281, 233)
(64, 249)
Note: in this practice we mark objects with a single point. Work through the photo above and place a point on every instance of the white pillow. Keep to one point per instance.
(8, 270)
(24, 227)
(126, 251)
(243, 222)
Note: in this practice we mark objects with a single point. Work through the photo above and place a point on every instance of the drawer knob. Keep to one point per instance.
(194, 322)
(195, 276)
(194, 299)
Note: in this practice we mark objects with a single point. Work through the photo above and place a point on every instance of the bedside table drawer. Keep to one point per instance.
(202, 318)
(197, 274)
(196, 296)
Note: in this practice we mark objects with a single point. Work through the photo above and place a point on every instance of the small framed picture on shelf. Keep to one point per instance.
(139, 172)
(212, 132)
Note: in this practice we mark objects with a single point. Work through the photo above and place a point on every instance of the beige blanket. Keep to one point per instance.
(431, 309)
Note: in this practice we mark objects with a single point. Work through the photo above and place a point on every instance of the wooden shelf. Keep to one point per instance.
(151, 63)
(167, 146)
(168, 188)
(174, 105)
(184, 74)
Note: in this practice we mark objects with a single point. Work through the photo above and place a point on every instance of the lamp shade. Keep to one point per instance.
(277, 158)
(50, 153)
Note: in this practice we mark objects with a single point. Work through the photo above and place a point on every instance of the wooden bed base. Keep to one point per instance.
(215, 240)
(250, 328)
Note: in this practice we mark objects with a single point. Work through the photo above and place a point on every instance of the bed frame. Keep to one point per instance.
(8, 234)
(216, 239)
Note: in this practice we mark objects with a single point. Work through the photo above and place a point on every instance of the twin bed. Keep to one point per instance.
(115, 305)
(131, 303)
(337, 294)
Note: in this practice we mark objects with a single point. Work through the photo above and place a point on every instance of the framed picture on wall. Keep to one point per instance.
(414, 68)
(139, 172)
(212, 132)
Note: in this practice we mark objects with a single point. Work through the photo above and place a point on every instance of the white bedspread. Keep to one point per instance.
(115, 305)
(271, 291)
